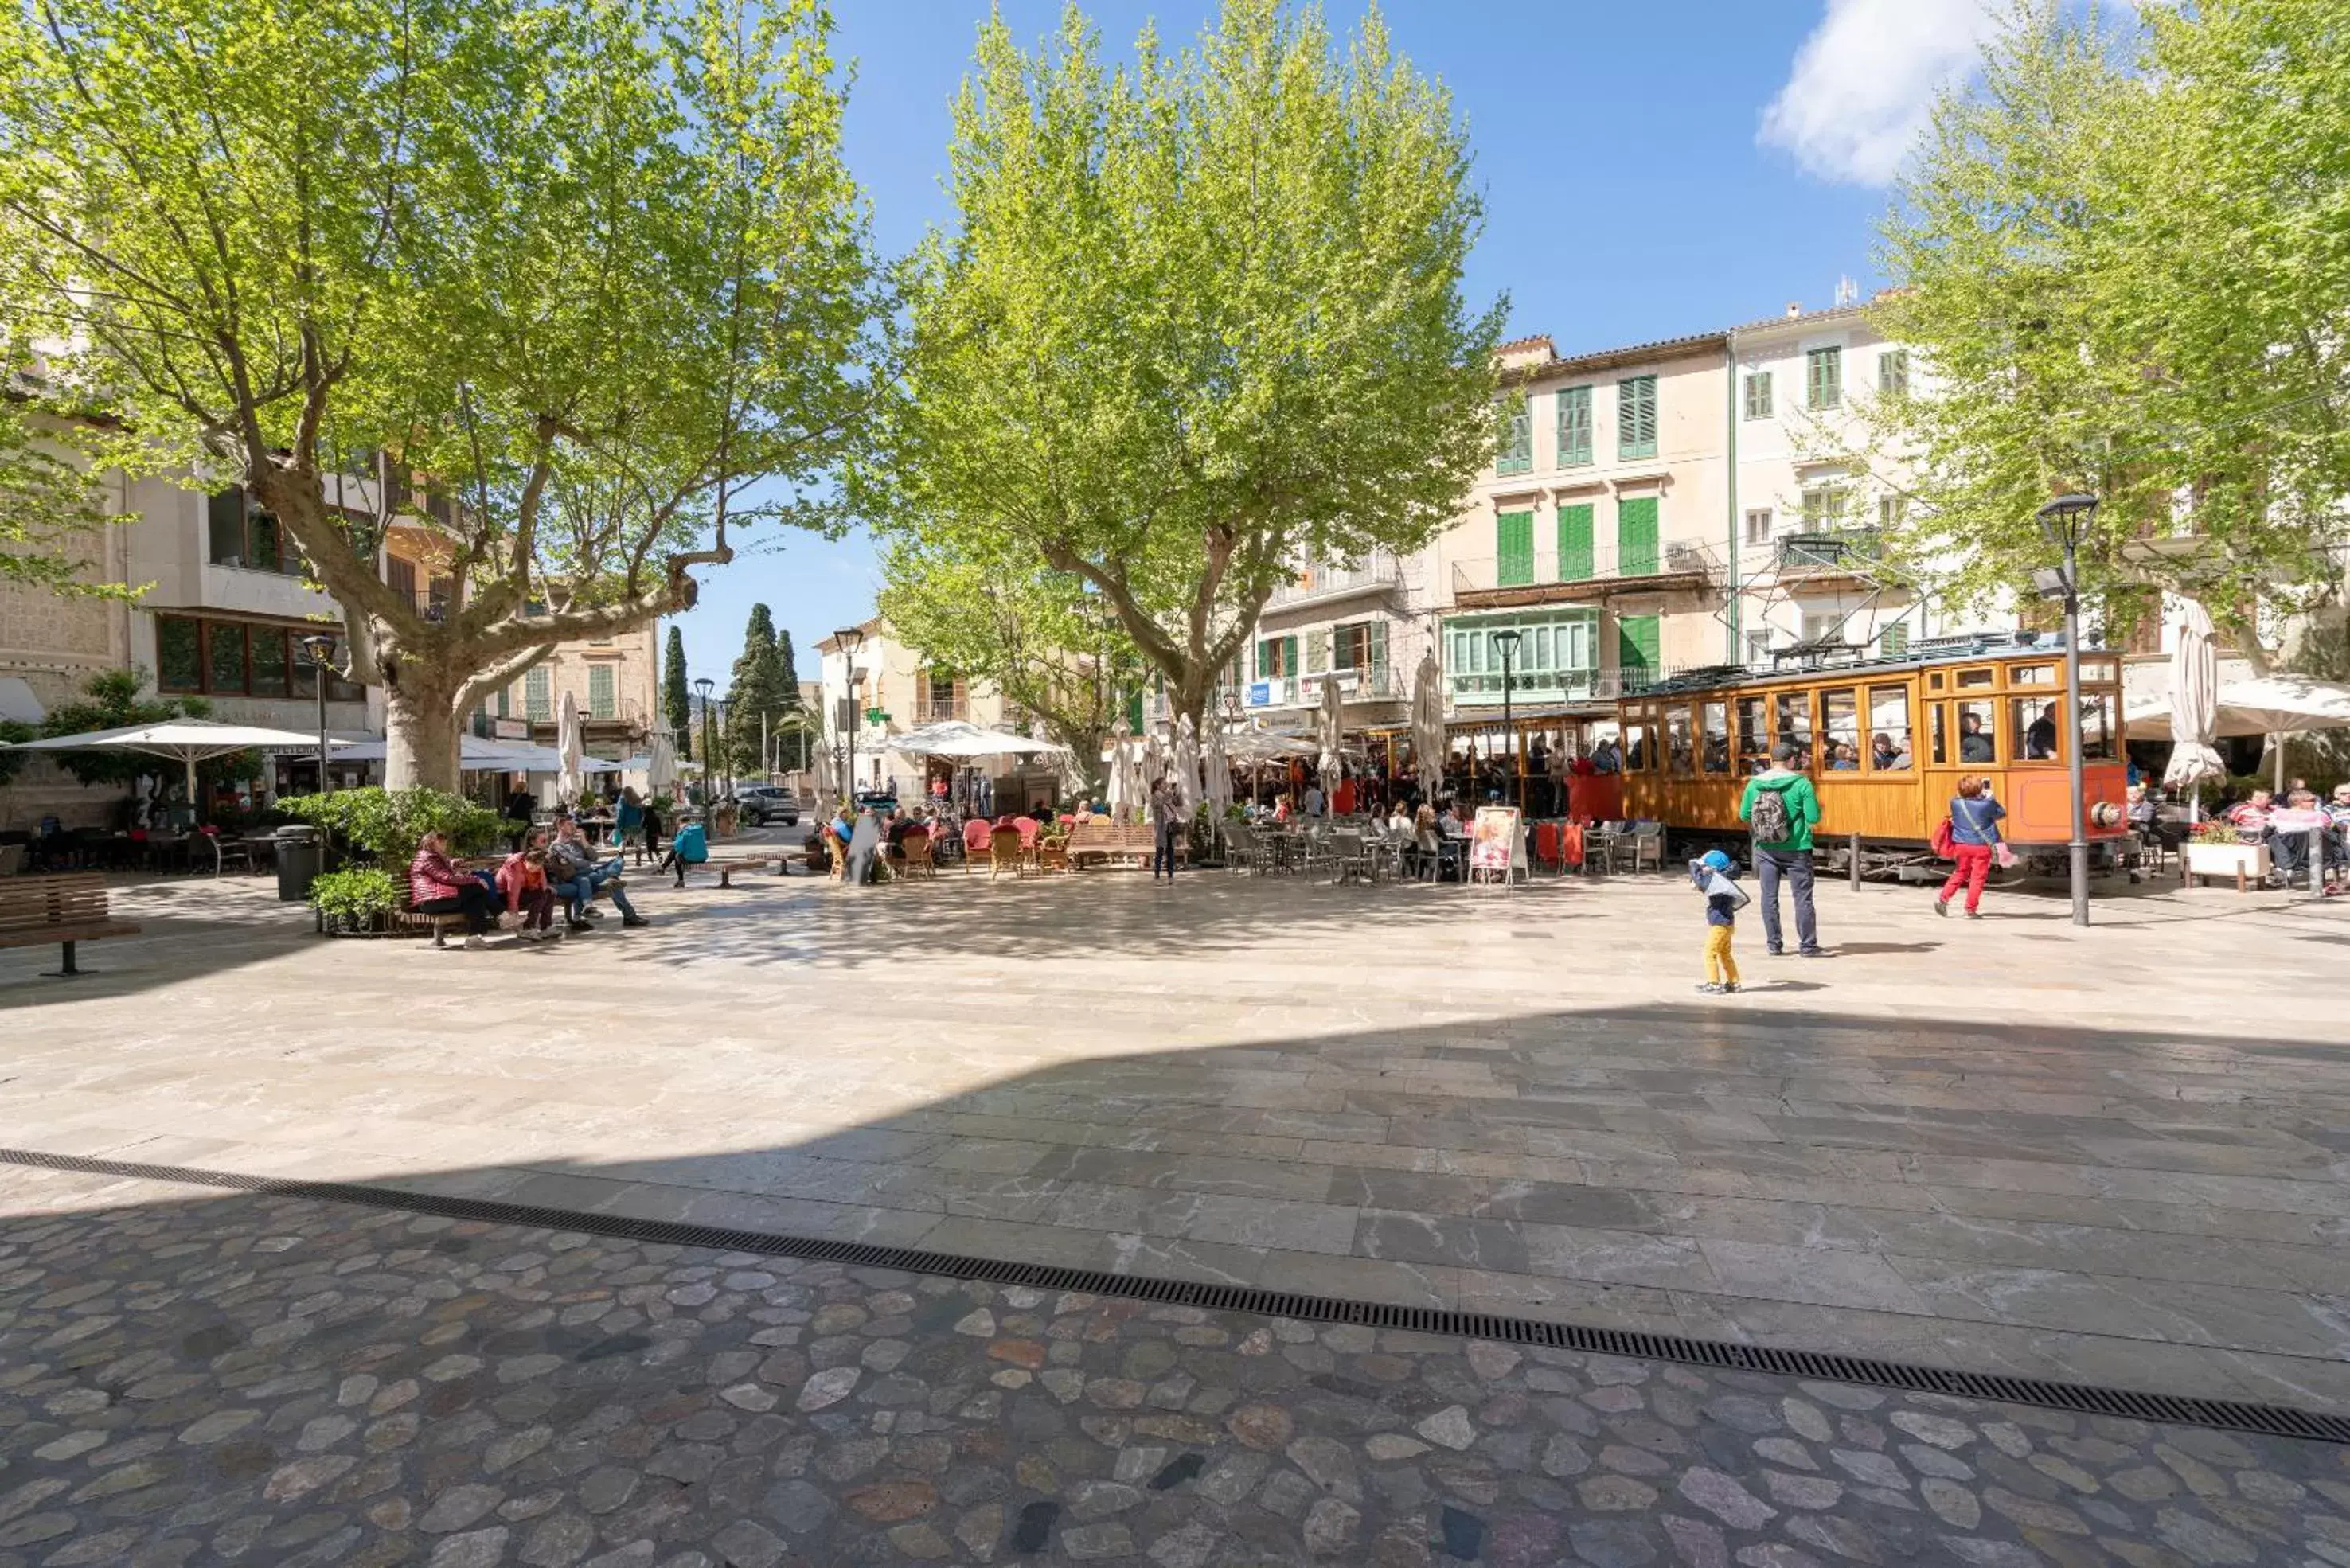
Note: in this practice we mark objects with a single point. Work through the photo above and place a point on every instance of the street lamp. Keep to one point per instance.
(1506, 640)
(850, 639)
(321, 647)
(2066, 521)
(702, 686)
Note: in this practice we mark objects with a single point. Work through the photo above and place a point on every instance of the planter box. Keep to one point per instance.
(2244, 863)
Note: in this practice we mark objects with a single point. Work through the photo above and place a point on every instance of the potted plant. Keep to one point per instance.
(355, 903)
(2217, 850)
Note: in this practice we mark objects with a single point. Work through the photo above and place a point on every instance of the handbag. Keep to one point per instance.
(1943, 843)
(2002, 855)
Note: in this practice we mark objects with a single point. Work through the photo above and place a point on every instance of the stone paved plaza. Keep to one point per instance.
(2115, 1157)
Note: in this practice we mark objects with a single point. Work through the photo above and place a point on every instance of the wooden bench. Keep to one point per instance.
(37, 911)
(726, 866)
(1123, 841)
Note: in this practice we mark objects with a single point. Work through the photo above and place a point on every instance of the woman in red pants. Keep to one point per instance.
(1974, 829)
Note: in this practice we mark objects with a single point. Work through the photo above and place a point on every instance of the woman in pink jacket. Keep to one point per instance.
(523, 879)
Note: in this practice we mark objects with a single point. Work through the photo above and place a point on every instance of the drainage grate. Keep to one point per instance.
(2270, 1420)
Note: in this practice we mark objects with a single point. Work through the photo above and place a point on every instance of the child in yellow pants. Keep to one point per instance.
(1716, 876)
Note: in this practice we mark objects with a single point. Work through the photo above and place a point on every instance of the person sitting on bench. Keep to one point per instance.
(573, 871)
(437, 888)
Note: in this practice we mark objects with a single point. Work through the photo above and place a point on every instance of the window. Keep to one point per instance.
(399, 575)
(2098, 739)
(1938, 715)
(1517, 454)
(1792, 712)
(1574, 552)
(1753, 735)
(1636, 536)
(1758, 645)
(224, 656)
(1888, 728)
(538, 694)
(240, 533)
(1713, 732)
(1554, 659)
(209, 657)
(1638, 638)
(1826, 507)
(601, 702)
(1975, 732)
(1678, 755)
(1893, 641)
(2037, 721)
(1758, 395)
(1276, 658)
(1893, 373)
(1513, 549)
(1362, 647)
(269, 676)
(179, 654)
(1574, 427)
(1317, 650)
(1639, 748)
(1635, 417)
(1892, 511)
(1840, 717)
(1822, 628)
(1758, 525)
(1823, 378)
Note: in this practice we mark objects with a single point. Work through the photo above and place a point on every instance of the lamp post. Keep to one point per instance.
(703, 687)
(320, 649)
(1506, 640)
(2065, 521)
(850, 639)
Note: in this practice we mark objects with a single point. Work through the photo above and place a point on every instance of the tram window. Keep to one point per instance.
(1939, 715)
(1713, 721)
(2098, 727)
(1888, 728)
(1639, 751)
(1753, 735)
(1934, 680)
(1840, 717)
(2097, 673)
(1795, 722)
(1974, 732)
(2036, 720)
(1678, 756)
(2031, 675)
(1972, 677)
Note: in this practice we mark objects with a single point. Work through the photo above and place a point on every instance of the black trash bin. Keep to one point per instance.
(300, 858)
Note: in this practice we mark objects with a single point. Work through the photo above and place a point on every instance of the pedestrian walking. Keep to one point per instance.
(1974, 837)
(1715, 875)
(1780, 809)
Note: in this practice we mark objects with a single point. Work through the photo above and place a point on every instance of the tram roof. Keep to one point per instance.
(1932, 651)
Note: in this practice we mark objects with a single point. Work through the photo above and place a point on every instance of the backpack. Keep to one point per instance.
(1769, 823)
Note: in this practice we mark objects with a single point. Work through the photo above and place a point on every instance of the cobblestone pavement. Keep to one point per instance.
(271, 1380)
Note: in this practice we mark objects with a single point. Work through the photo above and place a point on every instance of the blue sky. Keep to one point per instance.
(1649, 171)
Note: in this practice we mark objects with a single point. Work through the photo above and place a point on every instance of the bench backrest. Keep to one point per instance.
(51, 903)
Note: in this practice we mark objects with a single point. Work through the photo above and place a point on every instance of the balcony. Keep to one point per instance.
(1675, 566)
(1380, 683)
(1837, 553)
(941, 712)
(1321, 582)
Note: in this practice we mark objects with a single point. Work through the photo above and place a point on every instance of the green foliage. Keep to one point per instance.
(388, 824)
(1200, 318)
(760, 697)
(11, 733)
(677, 700)
(594, 277)
(51, 515)
(2120, 263)
(361, 895)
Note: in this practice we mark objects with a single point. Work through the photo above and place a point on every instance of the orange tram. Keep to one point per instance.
(1889, 740)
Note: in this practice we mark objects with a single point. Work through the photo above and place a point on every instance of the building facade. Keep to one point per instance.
(876, 687)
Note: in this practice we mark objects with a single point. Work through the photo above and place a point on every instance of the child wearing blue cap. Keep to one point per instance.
(1715, 875)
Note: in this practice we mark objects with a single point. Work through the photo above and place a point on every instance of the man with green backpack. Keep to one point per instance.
(1779, 808)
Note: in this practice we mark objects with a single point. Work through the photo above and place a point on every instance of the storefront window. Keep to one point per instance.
(1888, 728)
(1840, 714)
(1793, 714)
(2033, 738)
(1713, 722)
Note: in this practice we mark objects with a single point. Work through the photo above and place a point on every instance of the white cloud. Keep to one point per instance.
(1864, 83)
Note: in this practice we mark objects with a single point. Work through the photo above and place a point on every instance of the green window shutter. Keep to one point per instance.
(1575, 542)
(1517, 454)
(1636, 536)
(1758, 395)
(1378, 656)
(1574, 427)
(1635, 417)
(1265, 649)
(1318, 651)
(1134, 711)
(537, 696)
(1823, 370)
(1638, 638)
(1289, 657)
(1513, 549)
(1894, 640)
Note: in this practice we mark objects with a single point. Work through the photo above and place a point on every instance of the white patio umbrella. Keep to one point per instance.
(1124, 755)
(1427, 726)
(1332, 733)
(2194, 701)
(1187, 763)
(660, 765)
(955, 738)
(571, 750)
(184, 741)
(1218, 766)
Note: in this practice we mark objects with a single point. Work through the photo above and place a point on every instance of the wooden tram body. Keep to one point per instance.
(1980, 707)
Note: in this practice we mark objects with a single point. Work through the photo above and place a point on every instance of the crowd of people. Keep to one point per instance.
(548, 869)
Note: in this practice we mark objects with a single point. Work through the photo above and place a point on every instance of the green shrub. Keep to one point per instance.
(387, 824)
(359, 895)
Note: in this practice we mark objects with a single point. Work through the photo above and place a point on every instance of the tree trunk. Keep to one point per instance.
(420, 731)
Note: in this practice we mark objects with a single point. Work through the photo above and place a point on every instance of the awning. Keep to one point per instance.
(2263, 705)
(954, 738)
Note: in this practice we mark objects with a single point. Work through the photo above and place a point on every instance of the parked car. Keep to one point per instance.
(764, 804)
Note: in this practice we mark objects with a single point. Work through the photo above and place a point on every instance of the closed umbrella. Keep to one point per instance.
(1333, 734)
(569, 777)
(2194, 701)
(661, 765)
(1186, 761)
(1219, 766)
(1428, 725)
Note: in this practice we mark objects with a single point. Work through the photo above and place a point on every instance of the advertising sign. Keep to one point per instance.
(1495, 840)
